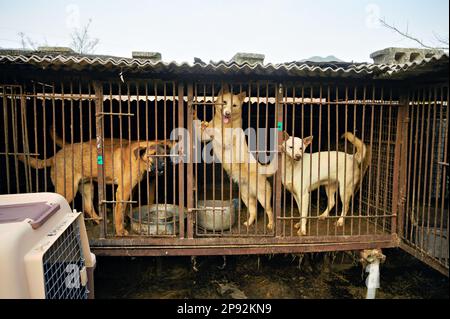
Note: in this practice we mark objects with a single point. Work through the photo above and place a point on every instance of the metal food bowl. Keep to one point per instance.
(156, 219)
(217, 215)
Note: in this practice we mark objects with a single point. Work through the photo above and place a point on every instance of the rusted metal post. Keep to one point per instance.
(400, 165)
(98, 89)
(277, 190)
(190, 167)
(181, 163)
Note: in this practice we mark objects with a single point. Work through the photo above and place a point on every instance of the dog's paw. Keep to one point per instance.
(270, 226)
(204, 125)
(297, 225)
(301, 232)
(322, 216)
(121, 232)
(97, 220)
(340, 222)
(247, 224)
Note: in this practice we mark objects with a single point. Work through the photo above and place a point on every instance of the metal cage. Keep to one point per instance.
(400, 200)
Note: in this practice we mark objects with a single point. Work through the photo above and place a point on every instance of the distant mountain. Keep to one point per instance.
(330, 58)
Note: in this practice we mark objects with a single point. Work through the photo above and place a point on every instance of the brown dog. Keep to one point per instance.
(131, 161)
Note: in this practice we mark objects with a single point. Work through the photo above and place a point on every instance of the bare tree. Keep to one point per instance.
(407, 35)
(81, 40)
(26, 42)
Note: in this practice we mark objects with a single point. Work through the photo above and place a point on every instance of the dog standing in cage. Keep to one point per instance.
(230, 147)
(302, 173)
(131, 161)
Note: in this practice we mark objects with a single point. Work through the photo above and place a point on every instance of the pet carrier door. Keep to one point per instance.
(424, 224)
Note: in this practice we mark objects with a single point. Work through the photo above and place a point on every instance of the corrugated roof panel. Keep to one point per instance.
(293, 69)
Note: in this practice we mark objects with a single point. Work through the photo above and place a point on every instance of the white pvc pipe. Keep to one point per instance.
(373, 279)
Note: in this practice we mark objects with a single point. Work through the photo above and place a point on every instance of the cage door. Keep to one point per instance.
(140, 180)
(424, 224)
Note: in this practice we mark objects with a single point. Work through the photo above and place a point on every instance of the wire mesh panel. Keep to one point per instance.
(425, 227)
(313, 184)
(62, 263)
(132, 156)
(137, 120)
(232, 196)
(342, 181)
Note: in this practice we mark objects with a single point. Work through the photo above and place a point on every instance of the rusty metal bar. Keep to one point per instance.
(15, 136)
(400, 162)
(425, 167)
(146, 138)
(377, 187)
(181, 163)
(432, 160)
(100, 114)
(183, 250)
(80, 105)
(354, 187)
(54, 134)
(155, 91)
(25, 144)
(63, 119)
(388, 161)
(372, 118)
(277, 189)
(98, 89)
(72, 160)
(438, 173)
(6, 136)
(419, 188)
(362, 139)
(35, 136)
(242, 242)
(190, 171)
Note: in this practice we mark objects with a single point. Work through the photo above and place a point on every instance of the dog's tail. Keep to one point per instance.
(58, 140)
(37, 163)
(363, 154)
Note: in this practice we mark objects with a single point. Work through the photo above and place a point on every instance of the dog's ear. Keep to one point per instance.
(307, 141)
(138, 149)
(242, 96)
(224, 90)
(285, 136)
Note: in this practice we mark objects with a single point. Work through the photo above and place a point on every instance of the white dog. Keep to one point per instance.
(301, 175)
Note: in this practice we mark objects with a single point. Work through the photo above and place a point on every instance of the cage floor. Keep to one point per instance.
(352, 226)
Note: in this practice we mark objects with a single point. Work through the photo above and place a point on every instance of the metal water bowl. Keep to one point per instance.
(161, 219)
(216, 215)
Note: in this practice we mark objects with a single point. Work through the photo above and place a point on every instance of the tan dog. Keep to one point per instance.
(300, 174)
(230, 147)
(127, 171)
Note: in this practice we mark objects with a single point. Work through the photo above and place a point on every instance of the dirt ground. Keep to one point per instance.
(321, 275)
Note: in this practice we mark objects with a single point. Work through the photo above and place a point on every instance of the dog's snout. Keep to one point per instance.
(297, 157)
(227, 112)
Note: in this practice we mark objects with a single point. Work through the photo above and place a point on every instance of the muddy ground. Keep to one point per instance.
(321, 275)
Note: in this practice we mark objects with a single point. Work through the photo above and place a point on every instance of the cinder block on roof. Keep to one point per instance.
(152, 56)
(403, 55)
(50, 49)
(251, 58)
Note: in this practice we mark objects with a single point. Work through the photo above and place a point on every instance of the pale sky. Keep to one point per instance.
(215, 30)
